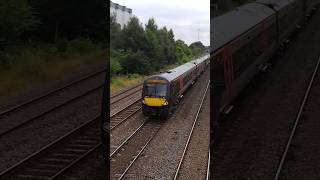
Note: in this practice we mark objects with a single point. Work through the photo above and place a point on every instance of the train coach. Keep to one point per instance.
(243, 40)
(161, 93)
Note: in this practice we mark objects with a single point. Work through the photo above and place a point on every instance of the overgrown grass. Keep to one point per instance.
(121, 82)
(24, 68)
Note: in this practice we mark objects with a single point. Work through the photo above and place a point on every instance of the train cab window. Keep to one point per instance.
(155, 90)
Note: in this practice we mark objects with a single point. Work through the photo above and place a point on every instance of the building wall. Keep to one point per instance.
(122, 13)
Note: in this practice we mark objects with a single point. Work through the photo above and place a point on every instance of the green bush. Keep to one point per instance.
(81, 45)
(62, 45)
(115, 67)
(135, 63)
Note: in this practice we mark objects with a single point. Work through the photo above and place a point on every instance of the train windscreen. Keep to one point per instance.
(155, 90)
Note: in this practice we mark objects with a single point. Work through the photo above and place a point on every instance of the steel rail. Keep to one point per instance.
(2, 113)
(128, 138)
(138, 155)
(296, 122)
(124, 108)
(208, 166)
(76, 161)
(124, 119)
(49, 111)
(47, 147)
(191, 131)
(135, 91)
(124, 91)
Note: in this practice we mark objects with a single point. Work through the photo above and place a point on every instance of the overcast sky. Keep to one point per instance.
(184, 17)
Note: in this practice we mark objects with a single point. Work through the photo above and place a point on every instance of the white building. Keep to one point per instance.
(122, 13)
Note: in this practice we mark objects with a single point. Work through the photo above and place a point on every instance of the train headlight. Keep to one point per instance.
(165, 103)
(143, 102)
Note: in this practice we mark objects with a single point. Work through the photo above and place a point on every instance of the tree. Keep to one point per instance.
(167, 42)
(135, 63)
(144, 50)
(171, 48)
(151, 25)
(183, 53)
(71, 19)
(197, 48)
(134, 36)
(154, 49)
(116, 36)
(16, 18)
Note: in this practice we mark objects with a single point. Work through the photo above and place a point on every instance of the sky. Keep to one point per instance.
(189, 19)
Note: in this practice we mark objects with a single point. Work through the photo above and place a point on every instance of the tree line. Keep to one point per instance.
(135, 49)
(25, 21)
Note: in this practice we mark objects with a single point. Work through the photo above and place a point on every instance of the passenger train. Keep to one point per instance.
(244, 39)
(161, 93)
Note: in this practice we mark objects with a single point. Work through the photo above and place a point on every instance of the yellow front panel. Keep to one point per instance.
(156, 102)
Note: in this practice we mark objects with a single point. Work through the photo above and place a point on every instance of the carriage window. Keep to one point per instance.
(157, 90)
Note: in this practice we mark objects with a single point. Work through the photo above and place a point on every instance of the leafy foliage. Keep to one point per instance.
(143, 50)
(197, 48)
(115, 67)
(16, 17)
(183, 52)
(71, 19)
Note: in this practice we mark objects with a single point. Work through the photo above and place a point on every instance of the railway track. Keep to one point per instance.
(125, 93)
(208, 166)
(54, 91)
(48, 111)
(114, 150)
(117, 118)
(124, 114)
(125, 155)
(41, 99)
(191, 132)
(296, 121)
(127, 152)
(56, 158)
(124, 110)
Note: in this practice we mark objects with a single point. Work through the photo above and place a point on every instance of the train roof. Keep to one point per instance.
(178, 71)
(230, 25)
(277, 4)
(200, 59)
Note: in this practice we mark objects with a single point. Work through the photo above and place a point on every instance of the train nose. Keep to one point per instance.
(155, 102)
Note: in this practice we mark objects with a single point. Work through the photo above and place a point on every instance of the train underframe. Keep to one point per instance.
(162, 111)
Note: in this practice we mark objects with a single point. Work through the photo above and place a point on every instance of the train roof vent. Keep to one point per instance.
(170, 71)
